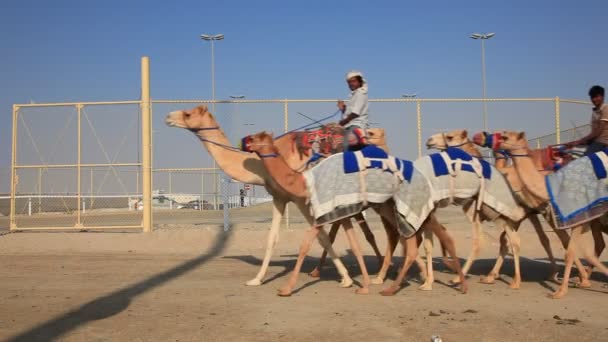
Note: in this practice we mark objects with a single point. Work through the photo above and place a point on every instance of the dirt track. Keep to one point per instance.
(186, 284)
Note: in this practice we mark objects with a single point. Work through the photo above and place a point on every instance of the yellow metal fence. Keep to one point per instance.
(89, 165)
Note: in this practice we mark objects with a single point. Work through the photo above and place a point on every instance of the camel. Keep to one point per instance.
(535, 185)
(460, 139)
(248, 168)
(509, 227)
(292, 182)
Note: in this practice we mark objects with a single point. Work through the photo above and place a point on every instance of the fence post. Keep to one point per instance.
(285, 129)
(14, 176)
(419, 127)
(557, 122)
(146, 143)
(225, 183)
(78, 170)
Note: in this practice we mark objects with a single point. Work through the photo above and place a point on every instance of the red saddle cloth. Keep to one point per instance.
(554, 158)
(324, 140)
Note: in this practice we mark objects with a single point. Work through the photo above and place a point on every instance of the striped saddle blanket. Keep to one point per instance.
(579, 191)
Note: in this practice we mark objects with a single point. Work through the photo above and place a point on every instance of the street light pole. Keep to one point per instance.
(483, 38)
(212, 39)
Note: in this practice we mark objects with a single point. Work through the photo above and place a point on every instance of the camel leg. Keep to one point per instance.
(410, 250)
(278, 208)
(448, 242)
(544, 241)
(570, 256)
(324, 242)
(392, 237)
(428, 251)
(356, 248)
(342, 271)
(428, 248)
(598, 238)
(369, 236)
(316, 273)
(565, 240)
(471, 213)
(495, 272)
(310, 236)
(515, 243)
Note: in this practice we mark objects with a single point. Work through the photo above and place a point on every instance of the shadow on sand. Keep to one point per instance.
(116, 301)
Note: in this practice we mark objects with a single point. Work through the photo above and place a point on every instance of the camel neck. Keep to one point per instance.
(242, 167)
(289, 180)
(532, 179)
(469, 148)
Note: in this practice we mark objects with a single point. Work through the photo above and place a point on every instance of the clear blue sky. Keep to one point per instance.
(89, 50)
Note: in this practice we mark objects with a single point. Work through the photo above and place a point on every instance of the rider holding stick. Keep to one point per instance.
(354, 115)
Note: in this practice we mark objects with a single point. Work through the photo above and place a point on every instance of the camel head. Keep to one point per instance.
(193, 119)
(262, 142)
(376, 136)
(442, 141)
(502, 140)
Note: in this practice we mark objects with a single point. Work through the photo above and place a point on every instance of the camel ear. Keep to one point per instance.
(521, 136)
(203, 108)
(465, 133)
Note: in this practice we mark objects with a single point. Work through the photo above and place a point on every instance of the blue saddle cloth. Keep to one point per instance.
(314, 158)
(374, 152)
(598, 166)
(441, 168)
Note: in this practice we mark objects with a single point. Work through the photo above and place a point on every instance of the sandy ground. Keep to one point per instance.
(183, 283)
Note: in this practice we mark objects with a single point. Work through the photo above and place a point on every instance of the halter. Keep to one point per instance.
(269, 155)
(445, 141)
(224, 146)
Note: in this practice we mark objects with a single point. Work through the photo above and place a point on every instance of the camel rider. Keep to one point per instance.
(354, 115)
(597, 140)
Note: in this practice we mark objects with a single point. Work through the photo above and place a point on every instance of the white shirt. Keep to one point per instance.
(357, 103)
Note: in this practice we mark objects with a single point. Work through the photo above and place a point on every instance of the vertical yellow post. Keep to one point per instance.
(39, 191)
(285, 129)
(557, 122)
(419, 127)
(146, 145)
(13, 224)
(78, 170)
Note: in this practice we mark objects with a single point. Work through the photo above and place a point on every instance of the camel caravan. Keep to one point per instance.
(335, 172)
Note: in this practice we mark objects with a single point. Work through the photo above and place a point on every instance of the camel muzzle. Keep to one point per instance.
(245, 144)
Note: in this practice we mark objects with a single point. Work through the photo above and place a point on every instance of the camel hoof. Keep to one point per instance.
(346, 282)
(362, 291)
(487, 280)
(557, 294)
(389, 291)
(426, 287)
(455, 281)
(284, 292)
(515, 285)
(316, 273)
(254, 282)
(377, 281)
(583, 283)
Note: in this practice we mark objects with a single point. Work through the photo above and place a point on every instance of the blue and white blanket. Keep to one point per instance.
(339, 189)
(579, 191)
